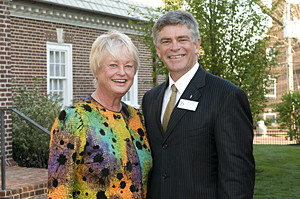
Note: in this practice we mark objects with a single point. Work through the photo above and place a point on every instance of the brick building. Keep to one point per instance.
(35, 35)
(51, 39)
(280, 85)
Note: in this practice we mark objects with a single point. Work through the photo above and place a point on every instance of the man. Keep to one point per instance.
(205, 150)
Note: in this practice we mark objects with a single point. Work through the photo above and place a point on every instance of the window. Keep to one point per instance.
(131, 97)
(59, 71)
(270, 89)
(270, 118)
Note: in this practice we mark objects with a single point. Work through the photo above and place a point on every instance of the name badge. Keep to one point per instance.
(187, 104)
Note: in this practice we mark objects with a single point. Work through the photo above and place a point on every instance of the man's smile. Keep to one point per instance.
(176, 56)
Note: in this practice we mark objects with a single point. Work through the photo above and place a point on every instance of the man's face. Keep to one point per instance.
(177, 50)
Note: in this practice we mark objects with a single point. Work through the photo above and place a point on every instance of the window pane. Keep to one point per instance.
(63, 57)
(271, 92)
(60, 84)
(271, 119)
(57, 60)
(62, 70)
(57, 70)
(51, 85)
(61, 95)
(51, 57)
(54, 85)
(51, 69)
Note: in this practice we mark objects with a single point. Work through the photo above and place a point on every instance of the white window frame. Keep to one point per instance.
(271, 88)
(133, 94)
(68, 86)
(273, 114)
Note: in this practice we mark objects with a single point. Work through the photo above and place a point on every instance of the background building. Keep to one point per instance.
(51, 40)
(286, 15)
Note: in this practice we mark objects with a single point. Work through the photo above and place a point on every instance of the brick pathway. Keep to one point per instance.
(25, 183)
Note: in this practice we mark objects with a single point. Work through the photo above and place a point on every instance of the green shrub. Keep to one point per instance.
(30, 144)
(289, 113)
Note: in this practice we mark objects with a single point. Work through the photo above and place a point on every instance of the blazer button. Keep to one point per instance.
(165, 146)
(164, 176)
(127, 140)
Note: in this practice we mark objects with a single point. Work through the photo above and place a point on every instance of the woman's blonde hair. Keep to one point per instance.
(114, 43)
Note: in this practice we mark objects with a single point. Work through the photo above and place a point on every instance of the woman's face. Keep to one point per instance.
(115, 76)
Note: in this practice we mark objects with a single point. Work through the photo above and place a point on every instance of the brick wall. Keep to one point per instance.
(5, 74)
(28, 46)
(281, 83)
(281, 69)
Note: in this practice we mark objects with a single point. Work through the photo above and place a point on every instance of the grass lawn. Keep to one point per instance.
(278, 171)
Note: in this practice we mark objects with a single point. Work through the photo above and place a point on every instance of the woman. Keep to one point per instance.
(99, 148)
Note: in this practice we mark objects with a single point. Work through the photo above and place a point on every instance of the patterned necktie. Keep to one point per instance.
(169, 108)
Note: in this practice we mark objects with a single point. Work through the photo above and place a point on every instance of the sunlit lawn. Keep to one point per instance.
(278, 171)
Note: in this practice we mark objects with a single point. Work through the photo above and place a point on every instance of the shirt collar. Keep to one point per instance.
(183, 81)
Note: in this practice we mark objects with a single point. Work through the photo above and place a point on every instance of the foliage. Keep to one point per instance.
(233, 45)
(30, 144)
(277, 175)
(289, 113)
(150, 15)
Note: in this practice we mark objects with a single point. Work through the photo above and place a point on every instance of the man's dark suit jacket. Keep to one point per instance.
(206, 153)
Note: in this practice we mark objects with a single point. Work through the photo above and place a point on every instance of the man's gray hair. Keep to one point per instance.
(176, 17)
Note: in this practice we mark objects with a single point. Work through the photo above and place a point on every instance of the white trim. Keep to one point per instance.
(69, 71)
(58, 15)
(271, 88)
(133, 91)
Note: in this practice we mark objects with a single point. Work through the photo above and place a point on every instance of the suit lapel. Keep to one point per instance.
(191, 93)
(159, 103)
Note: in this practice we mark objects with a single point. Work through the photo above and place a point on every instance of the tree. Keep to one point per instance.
(149, 15)
(278, 9)
(275, 12)
(233, 45)
(289, 113)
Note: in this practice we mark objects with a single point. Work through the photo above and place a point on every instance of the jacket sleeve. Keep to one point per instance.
(234, 142)
(144, 103)
(66, 143)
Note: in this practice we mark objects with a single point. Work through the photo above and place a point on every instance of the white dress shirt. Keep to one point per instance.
(180, 84)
